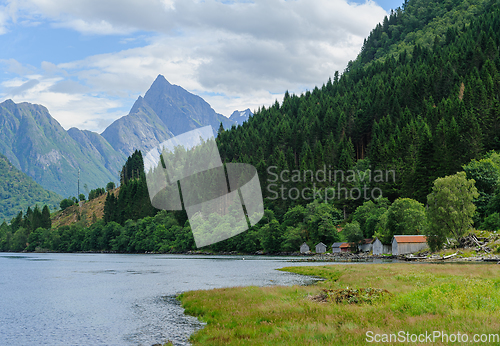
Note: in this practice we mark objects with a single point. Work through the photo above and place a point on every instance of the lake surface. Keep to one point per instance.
(113, 299)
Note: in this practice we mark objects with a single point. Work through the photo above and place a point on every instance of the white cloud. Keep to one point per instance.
(65, 100)
(238, 55)
(101, 27)
(3, 21)
(23, 88)
(69, 87)
(263, 19)
(14, 66)
(87, 16)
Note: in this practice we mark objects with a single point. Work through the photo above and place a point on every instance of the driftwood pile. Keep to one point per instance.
(472, 241)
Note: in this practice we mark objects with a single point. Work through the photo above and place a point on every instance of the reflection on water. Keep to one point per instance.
(112, 299)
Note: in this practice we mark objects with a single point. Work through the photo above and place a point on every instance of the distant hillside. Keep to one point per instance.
(421, 22)
(39, 146)
(421, 113)
(141, 129)
(18, 192)
(83, 212)
(94, 143)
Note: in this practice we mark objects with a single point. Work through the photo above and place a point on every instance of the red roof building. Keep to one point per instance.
(405, 244)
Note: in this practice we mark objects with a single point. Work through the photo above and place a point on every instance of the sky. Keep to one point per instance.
(87, 61)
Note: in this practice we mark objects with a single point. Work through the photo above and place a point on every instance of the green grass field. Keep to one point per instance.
(445, 298)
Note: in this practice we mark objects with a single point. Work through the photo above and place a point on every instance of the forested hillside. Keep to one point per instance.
(422, 22)
(421, 102)
(18, 192)
(422, 112)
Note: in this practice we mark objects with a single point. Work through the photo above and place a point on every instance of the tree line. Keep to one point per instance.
(455, 203)
(14, 236)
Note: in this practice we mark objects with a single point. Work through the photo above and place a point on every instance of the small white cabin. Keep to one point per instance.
(304, 248)
(320, 248)
(379, 248)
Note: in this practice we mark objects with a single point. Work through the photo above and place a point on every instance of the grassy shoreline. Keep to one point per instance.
(449, 298)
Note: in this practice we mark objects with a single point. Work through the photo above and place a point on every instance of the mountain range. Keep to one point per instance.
(241, 116)
(36, 144)
(165, 111)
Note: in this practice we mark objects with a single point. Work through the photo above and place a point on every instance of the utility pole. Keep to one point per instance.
(78, 197)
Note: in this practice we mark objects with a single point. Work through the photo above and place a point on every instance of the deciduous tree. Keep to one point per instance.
(450, 208)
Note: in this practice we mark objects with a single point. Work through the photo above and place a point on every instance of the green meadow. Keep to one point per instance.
(458, 301)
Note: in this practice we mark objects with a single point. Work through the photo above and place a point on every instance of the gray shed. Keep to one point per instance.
(379, 248)
(320, 248)
(336, 247)
(304, 248)
(405, 244)
(366, 245)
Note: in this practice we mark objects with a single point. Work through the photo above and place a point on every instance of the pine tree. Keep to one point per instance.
(17, 222)
(28, 219)
(346, 155)
(221, 129)
(319, 160)
(110, 208)
(37, 218)
(425, 171)
(46, 222)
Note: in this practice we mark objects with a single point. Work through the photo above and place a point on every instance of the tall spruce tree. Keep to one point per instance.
(46, 222)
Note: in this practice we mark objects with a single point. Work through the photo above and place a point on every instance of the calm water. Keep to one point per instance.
(108, 299)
